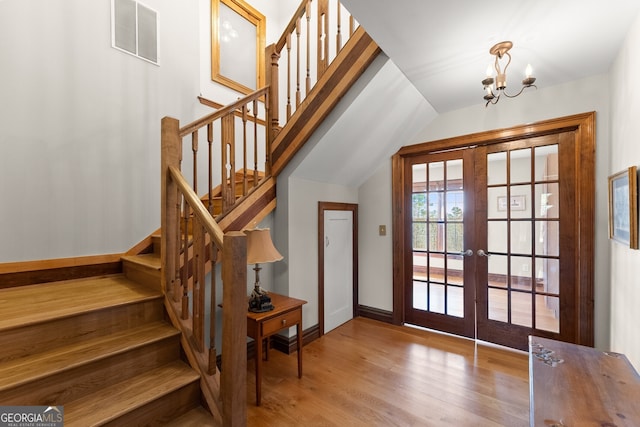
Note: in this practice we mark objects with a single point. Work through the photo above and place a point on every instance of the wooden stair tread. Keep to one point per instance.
(27, 305)
(111, 402)
(198, 417)
(40, 365)
(151, 260)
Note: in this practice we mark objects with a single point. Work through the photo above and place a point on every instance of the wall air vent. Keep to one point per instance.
(134, 29)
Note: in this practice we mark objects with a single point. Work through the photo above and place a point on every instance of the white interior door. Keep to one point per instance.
(338, 268)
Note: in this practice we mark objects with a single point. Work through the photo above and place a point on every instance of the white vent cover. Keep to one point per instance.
(134, 29)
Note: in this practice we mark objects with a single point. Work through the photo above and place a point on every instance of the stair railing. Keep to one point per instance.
(307, 55)
(191, 241)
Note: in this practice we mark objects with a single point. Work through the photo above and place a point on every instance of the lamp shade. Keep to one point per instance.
(260, 248)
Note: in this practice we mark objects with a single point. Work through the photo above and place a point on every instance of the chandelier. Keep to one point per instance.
(493, 94)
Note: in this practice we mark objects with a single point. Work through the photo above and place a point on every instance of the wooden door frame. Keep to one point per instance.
(333, 206)
(584, 127)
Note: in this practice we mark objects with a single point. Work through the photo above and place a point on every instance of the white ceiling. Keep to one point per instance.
(442, 47)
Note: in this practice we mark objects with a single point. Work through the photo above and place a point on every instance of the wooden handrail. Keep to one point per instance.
(199, 210)
(231, 108)
(290, 28)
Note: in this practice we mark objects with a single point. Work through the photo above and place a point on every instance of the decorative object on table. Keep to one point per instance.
(492, 95)
(623, 207)
(260, 250)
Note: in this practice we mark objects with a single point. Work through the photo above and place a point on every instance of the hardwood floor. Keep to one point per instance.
(369, 373)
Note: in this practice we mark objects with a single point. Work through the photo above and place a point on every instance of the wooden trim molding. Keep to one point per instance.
(332, 206)
(54, 270)
(376, 314)
(583, 126)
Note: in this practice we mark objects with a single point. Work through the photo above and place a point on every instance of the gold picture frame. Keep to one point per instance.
(237, 45)
(623, 207)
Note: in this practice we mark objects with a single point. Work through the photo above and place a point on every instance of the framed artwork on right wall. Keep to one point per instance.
(623, 207)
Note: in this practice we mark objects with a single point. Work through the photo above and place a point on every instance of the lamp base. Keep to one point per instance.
(260, 301)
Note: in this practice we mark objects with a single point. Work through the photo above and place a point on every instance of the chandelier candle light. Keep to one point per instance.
(499, 51)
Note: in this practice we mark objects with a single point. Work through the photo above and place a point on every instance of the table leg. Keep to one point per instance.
(258, 369)
(299, 345)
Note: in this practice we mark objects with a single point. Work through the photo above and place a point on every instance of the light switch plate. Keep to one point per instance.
(382, 230)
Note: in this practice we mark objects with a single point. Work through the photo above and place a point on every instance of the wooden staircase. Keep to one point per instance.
(101, 348)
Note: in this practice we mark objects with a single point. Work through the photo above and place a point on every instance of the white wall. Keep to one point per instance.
(544, 103)
(297, 274)
(80, 121)
(625, 152)
(80, 126)
(375, 270)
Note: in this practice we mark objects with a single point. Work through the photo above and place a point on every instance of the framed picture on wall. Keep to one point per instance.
(623, 207)
(237, 45)
(516, 203)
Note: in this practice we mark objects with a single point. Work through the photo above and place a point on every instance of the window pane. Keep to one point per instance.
(454, 238)
(419, 206)
(546, 162)
(455, 205)
(547, 200)
(436, 237)
(547, 316)
(498, 305)
(521, 237)
(521, 313)
(497, 265)
(455, 301)
(436, 268)
(521, 272)
(455, 271)
(436, 206)
(520, 165)
(454, 174)
(420, 265)
(420, 295)
(496, 202)
(497, 235)
(520, 201)
(419, 177)
(497, 168)
(548, 275)
(419, 235)
(436, 298)
(548, 238)
(436, 176)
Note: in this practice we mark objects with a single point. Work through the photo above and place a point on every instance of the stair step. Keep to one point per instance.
(124, 403)
(198, 417)
(28, 369)
(34, 304)
(143, 268)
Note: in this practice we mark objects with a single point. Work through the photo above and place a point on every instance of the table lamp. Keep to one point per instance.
(260, 249)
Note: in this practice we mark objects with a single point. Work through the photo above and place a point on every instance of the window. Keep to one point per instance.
(134, 29)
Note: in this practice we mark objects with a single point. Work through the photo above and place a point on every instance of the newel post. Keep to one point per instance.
(171, 155)
(233, 375)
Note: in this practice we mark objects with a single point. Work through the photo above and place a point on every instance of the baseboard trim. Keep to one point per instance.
(375, 314)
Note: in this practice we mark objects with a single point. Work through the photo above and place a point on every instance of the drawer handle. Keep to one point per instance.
(284, 322)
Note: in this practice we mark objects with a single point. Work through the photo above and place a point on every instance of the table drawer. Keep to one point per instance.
(284, 320)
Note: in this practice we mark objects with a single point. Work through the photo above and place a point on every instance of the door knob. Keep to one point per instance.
(483, 253)
(468, 252)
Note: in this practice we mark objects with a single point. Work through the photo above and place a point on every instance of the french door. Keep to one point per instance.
(491, 244)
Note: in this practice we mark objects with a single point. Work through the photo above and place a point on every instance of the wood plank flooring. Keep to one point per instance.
(369, 373)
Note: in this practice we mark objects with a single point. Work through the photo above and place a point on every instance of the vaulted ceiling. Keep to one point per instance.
(442, 47)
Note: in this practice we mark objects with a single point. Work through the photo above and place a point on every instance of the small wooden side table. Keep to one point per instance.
(287, 313)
